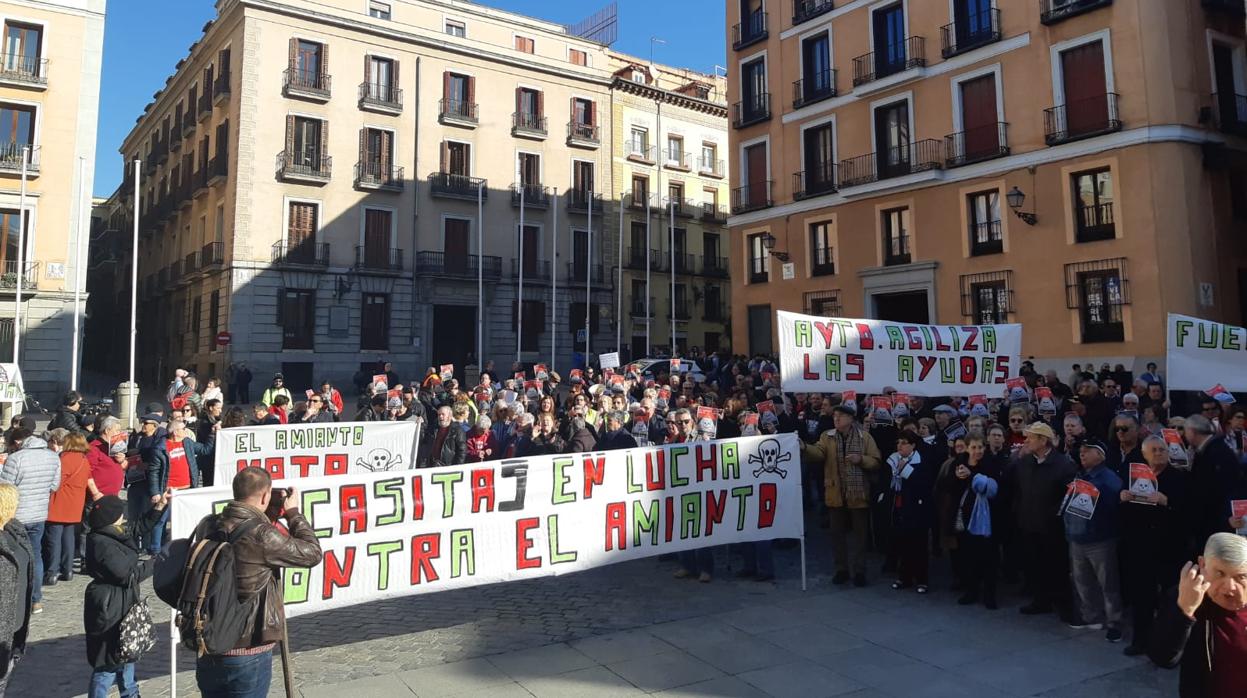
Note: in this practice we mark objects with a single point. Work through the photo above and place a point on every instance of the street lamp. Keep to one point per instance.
(1016, 197)
(768, 241)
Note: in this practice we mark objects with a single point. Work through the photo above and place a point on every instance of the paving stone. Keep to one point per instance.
(541, 661)
(664, 671)
(456, 677)
(620, 646)
(597, 681)
(802, 678)
(722, 687)
(371, 686)
(734, 657)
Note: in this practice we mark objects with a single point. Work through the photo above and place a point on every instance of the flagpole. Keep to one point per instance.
(649, 320)
(671, 218)
(134, 297)
(21, 261)
(78, 273)
(619, 281)
(588, 274)
(519, 292)
(480, 275)
(554, 284)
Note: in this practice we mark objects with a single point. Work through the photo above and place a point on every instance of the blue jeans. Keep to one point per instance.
(58, 551)
(758, 558)
(219, 676)
(158, 533)
(102, 680)
(35, 533)
(138, 501)
(698, 561)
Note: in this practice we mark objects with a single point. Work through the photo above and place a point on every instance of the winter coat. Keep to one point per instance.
(65, 506)
(454, 447)
(36, 471)
(17, 576)
(108, 474)
(270, 393)
(616, 441)
(158, 481)
(827, 452)
(544, 445)
(1103, 524)
(1216, 479)
(913, 506)
(66, 419)
(581, 441)
(116, 572)
(476, 445)
(953, 498)
(1180, 641)
(1037, 490)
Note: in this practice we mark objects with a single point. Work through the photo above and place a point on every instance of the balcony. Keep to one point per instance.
(1081, 119)
(713, 213)
(583, 135)
(909, 54)
(220, 88)
(218, 169)
(752, 197)
(1234, 8)
(306, 84)
(161, 152)
(898, 161)
(1094, 222)
(822, 264)
(976, 145)
(302, 254)
(677, 160)
(1053, 11)
(576, 272)
(818, 180)
(581, 201)
(199, 182)
(986, 238)
(528, 125)
(679, 308)
(814, 88)
(188, 125)
(212, 255)
(378, 176)
(382, 98)
(640, 152)
(805, 10)
(459, 266)
(456, 112)
(1231, 112)
(711, 168)
(454, 186)
(979, 29)
(683, 208)
(638, 203)
(378, 259)
(24, 71)
(750, 31)
(638, 308)
(635, 259)
(175, 138)
(751, 110)
(304, 167)
(714, 266)
(683, 263)
(714, 312)
(190, 264)
(204, 108)
(162, 278)
(11, 156)
(534, 270)
(30, 274)
(535, 196)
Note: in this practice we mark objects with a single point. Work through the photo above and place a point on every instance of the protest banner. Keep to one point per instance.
(1197, 349)
(389, 534)
(830, 355)
(610, 360)
(11, 388)
(312, 450)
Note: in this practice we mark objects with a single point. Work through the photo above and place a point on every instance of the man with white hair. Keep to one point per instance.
(1216, 475)
(1203, 627)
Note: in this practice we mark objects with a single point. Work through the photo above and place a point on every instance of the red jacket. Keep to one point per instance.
(108, 475)
(477, 445)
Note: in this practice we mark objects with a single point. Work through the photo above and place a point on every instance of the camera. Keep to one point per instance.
(277, 503)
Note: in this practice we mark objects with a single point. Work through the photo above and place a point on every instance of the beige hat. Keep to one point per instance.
(1041, 429)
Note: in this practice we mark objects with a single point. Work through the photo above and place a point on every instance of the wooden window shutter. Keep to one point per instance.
(446, 84)
(593, 113)
(541, 104)
(367, 68)
(324, 141)
(572, 118)
(324, 60)
(290, 124)
(394, 81)
(363, 145)
(294, 55)
(467, 159)
(444, 165)
(519, 100)
(471, 90)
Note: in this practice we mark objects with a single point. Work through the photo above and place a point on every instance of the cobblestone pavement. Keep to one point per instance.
(632, 629)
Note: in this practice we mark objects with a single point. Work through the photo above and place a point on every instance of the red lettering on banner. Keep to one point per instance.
(337, 575)
(417, 498)
(424, 549)
(972, 342)
(655, 470)
(865, 340)
(827, 331)
(806, 373)
(1002, 369)
(482, 490)
(768, 498)
(669, 518)
(714, 509)
(913, 333)
(707, 461)
(940, 344)
(595, 470)
(354, 509)
(927, 363)
(276, 467)
(304, 464)
(616, 525)
(336, 464)
(523, 544)
(969, 370)
(858, 362)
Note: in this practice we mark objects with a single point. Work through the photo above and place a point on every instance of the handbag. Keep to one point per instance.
(137, 632)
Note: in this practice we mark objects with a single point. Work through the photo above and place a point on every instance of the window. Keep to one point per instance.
(639, 145)
(583, 112)
(219, 232)
(638, 76)
(381, 74)
(896, 237)
(378, 9)
(892, 140)
(196, 315)
(534, 324)
(529, 103)
(459, 92)
(1238, 196)
(23, 46)
(378, 231)
(374, 332)
(302, 221)
(820, 167)
(757, 188)
(296, 314)
(640, 190)
(377, 154)
(759, 263)
(816, 82)
(1093, 206)
(675, 195)
(583, 256)
(306, 64)
(822, 254)
(709, 158)
(530, 169)
(753, 90)
(17, 129)
(457, 158)
(456, 244)
(986, 235)
(214, 319)
(305, 142)
(991, 303)
(577, 57)
(675, 150)
(822, 303)
(524, 44)
(9, 222)
(582, 178)
(1098, 290)
(576, 317)
(456, 28)
(890, 40)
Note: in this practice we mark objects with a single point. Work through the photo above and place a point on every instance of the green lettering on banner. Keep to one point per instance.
(742, 495)
(729, 457)
(309, 501)
(393, 489)
(904, 368)
(279, 441)
(833, 367)
(1207, 339)
(948, 371)
(560, 495)
(1181, 329)
(447, 481)
(358, 434)
(296, 582)
(690, 515)
(462, 549)
(846, 328)
(557, 557)
(896, 340)
(989, 370)
(989, 339)
(644, 521)
(634, 487)
(674, 456)
(1230, 339)
(382, 551)
(803, 333)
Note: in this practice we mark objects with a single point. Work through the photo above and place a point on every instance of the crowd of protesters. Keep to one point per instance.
(1085, 491)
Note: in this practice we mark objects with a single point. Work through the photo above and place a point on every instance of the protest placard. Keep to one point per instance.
(827, 355)
(446, 371)
(390, 534)
(1220, 394)
(1143, 483)
(708, 422)
(1081, 498)
(1046, 400)
(312, 450)
(610, 360)
(1178, 457)
(881, 409)
(1197, 349)
(1238, 510)
(541, 371)
(11, 388)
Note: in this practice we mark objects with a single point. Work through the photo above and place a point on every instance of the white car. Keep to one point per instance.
(649, 368)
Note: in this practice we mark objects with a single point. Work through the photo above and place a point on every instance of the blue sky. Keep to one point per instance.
(144, 40)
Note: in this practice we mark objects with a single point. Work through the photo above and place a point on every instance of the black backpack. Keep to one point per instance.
(198, 577)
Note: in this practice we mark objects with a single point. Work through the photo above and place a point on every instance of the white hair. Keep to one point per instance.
(524, 419)
(484, 422)
(1229, 548)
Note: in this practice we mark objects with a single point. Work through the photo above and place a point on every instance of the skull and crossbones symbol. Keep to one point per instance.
(768, 458)
(379, 460)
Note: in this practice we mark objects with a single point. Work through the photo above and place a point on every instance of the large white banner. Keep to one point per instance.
(1199, 354)
(831, 355)
(11, 384)
(389, 534)
(311, 450)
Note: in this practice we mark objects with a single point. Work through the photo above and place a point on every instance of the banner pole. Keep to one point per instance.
(802, 562)
(173, 653)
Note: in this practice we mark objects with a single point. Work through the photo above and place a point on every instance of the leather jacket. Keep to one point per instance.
(259, 557)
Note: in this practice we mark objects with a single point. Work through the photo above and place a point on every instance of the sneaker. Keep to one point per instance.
(898, 585)
(682, 574)
(840, 578)
(38, 608)
(859, 580)
(921, 589)
(1135, 651)
(704, 577)
(1084, 625)
(1113, 635)
(49, 581)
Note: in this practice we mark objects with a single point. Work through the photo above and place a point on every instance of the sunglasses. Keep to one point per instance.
(1016, 421)
(317, 400)
(1122, 430)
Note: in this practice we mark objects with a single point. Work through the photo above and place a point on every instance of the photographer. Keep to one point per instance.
(260, 555)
